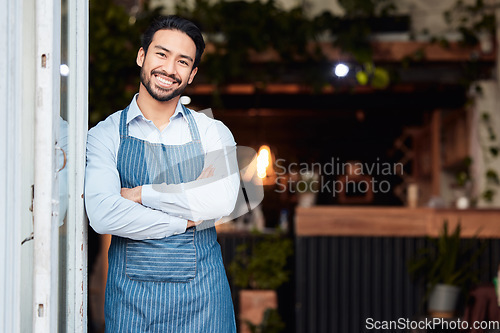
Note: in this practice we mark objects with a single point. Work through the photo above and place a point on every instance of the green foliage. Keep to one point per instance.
(488, 195)
(463, 175)
(271, 323)
(492, 176)
(470, 20)
(239, 29)
(114, 42)
(448, 260)
(490, 151)
(353, 33)
(263, 266)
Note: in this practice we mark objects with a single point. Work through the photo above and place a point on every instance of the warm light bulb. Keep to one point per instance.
(263, 158)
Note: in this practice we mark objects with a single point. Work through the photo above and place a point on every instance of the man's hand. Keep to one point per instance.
(207, 172)
(193, 224)
(133, 194)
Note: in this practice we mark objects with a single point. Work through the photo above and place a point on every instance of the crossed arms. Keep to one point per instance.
(156, 211)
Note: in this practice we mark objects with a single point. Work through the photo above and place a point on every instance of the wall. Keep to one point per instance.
(482, 161)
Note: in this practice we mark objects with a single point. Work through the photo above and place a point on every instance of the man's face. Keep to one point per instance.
(167, 68)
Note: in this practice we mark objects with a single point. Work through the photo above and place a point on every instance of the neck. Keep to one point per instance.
(158, 112)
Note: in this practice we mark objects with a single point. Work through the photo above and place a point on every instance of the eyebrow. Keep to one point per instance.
(168, 51)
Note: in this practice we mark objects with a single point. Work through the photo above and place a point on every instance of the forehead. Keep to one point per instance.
(175, 41)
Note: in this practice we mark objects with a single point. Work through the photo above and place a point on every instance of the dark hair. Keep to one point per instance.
(173, 22)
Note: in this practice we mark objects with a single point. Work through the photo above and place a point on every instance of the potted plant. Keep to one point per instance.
(259, 271)
(447, 264)
(307, 187)
(271, 323)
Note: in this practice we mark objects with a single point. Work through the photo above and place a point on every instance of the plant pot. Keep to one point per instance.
(443, 300)
(307, 199)
(253, 305)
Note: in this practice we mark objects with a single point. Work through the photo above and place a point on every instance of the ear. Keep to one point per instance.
(140, 57)
(192, 75)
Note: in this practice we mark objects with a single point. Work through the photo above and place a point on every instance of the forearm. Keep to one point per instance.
(112, 214)
(207, 201)
(211, 196)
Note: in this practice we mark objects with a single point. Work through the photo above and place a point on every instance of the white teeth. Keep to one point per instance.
(164, 81)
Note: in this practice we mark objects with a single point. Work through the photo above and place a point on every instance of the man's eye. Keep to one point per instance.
(183, 62)
(161, 54)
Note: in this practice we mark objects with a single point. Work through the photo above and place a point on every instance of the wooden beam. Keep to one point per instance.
(287, 89)
(386, 51)
(393, 221)
(397, 51)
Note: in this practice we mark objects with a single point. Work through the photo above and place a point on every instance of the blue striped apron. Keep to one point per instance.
(175, 284)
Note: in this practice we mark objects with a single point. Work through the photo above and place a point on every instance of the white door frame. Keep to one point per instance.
(11, 161)
(45, 204)
(46, 200)
(77, 290)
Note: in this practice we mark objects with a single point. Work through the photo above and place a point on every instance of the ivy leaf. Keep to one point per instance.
(492, 176)
(380, 78)
(488, 195)
(362, 78)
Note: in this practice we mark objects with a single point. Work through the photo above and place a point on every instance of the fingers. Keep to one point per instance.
(193, 223)
(133, 194)
(207, 172)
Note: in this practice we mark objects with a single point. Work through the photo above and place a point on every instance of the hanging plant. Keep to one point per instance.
(114, 41)
(490, 152)
(355, 38)
(239, 29)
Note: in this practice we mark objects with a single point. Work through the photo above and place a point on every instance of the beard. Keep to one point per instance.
(158, 93)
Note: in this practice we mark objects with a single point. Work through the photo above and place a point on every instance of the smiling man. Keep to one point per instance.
(155, 171)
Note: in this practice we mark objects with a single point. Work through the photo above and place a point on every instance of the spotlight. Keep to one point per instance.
(185, 100)
(341, 70)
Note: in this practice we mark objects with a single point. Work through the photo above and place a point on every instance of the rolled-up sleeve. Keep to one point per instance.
(107, 210)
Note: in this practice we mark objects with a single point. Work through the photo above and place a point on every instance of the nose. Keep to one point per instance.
(169, 65)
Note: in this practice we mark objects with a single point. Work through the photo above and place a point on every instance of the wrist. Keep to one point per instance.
(138, 194)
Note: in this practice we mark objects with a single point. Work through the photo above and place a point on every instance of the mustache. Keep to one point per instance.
(172, 76)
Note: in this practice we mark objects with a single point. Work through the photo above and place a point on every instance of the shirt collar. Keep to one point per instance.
(134, 111)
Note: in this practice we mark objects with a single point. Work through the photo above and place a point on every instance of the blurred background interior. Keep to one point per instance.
(398, 99)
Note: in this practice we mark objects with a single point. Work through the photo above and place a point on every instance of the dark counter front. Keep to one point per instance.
(351, 262)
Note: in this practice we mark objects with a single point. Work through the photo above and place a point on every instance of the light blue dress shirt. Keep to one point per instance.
(165, 209)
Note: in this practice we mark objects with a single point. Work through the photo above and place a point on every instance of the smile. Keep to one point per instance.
(164, 81)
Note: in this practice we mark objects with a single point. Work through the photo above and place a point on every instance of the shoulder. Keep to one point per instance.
(105, 126)
(211, 128)
(106, 132)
